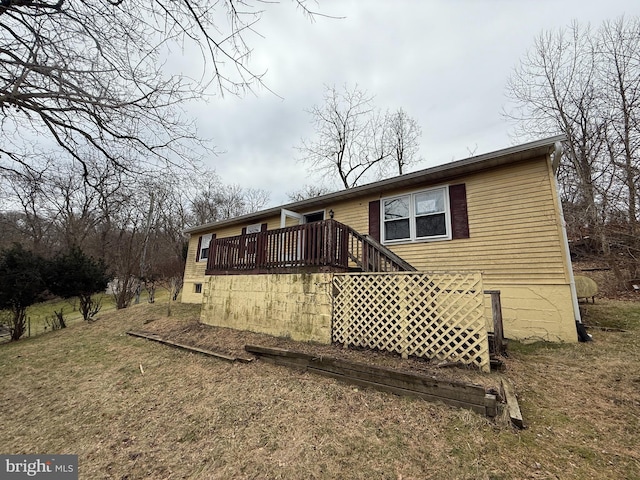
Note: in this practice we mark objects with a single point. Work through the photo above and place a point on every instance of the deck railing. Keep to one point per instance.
(370, 256)
(328, 245)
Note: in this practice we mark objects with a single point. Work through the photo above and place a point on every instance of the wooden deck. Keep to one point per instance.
(319, 246)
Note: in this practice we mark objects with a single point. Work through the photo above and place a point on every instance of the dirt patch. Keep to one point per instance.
(231, 342)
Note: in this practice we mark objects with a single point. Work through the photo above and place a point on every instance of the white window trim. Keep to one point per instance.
(412, 218)
(205, 242)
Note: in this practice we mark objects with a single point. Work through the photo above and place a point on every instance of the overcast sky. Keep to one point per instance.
(445, 63)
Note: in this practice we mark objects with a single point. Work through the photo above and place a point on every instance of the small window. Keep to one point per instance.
(314, 217)
(197, 288)
(255, 228)
(417, 216)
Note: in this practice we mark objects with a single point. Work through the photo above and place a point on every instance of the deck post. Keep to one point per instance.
(261, 246)
(496, 312)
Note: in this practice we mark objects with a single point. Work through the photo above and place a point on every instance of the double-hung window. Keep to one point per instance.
(417, 216)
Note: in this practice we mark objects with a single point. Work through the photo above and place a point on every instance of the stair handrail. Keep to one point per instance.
(405, 266)
(398, 263)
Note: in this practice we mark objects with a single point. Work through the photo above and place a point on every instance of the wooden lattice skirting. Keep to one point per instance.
(431, 315)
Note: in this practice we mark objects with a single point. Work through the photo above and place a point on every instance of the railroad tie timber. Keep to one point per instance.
(508, 393)
(210, 353)
(458, 394)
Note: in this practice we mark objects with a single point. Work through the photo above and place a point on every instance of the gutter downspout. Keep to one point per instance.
(555, 162)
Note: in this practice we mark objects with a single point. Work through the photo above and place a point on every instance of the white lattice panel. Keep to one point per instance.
(427, 315)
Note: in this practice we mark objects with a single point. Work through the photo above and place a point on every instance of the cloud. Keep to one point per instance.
(445, 62)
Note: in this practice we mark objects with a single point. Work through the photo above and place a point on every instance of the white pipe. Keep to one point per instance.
(555, 162)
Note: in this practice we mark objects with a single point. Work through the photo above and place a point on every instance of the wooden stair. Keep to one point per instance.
(371, 256)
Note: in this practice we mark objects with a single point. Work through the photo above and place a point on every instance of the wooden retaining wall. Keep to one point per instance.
(457, 394)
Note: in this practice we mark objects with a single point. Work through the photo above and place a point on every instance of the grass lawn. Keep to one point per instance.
(134, 409)
(39, 313)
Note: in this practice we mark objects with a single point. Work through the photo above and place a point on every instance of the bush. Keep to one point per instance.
(74, 274)
(22, 283)
(55, 321)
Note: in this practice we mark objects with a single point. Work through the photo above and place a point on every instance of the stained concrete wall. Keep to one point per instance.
(535, 312)
(299, 306)
(296, 306)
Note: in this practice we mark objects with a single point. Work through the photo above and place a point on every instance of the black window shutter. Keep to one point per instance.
(263, 227)
(198, 249)
(374, 219)
(459, 215)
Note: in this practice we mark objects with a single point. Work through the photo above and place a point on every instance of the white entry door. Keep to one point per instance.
(284, 214)
(291, 243)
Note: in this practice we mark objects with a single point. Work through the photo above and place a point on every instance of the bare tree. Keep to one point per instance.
(403, 136)
(349, 139)
(586, 84)
(355, 142)
(72, 206)
(32, 217)
(619, 48)
(554, 91)
(255, 199)
(216, 201)
(134, 223)
(308, 191)
(93, 79)
(204, 203)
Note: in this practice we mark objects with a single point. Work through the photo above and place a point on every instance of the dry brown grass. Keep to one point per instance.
(81, 391)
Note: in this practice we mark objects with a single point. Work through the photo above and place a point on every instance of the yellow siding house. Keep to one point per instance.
(497, 215)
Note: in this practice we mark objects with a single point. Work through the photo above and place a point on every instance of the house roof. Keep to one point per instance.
(439, 173)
